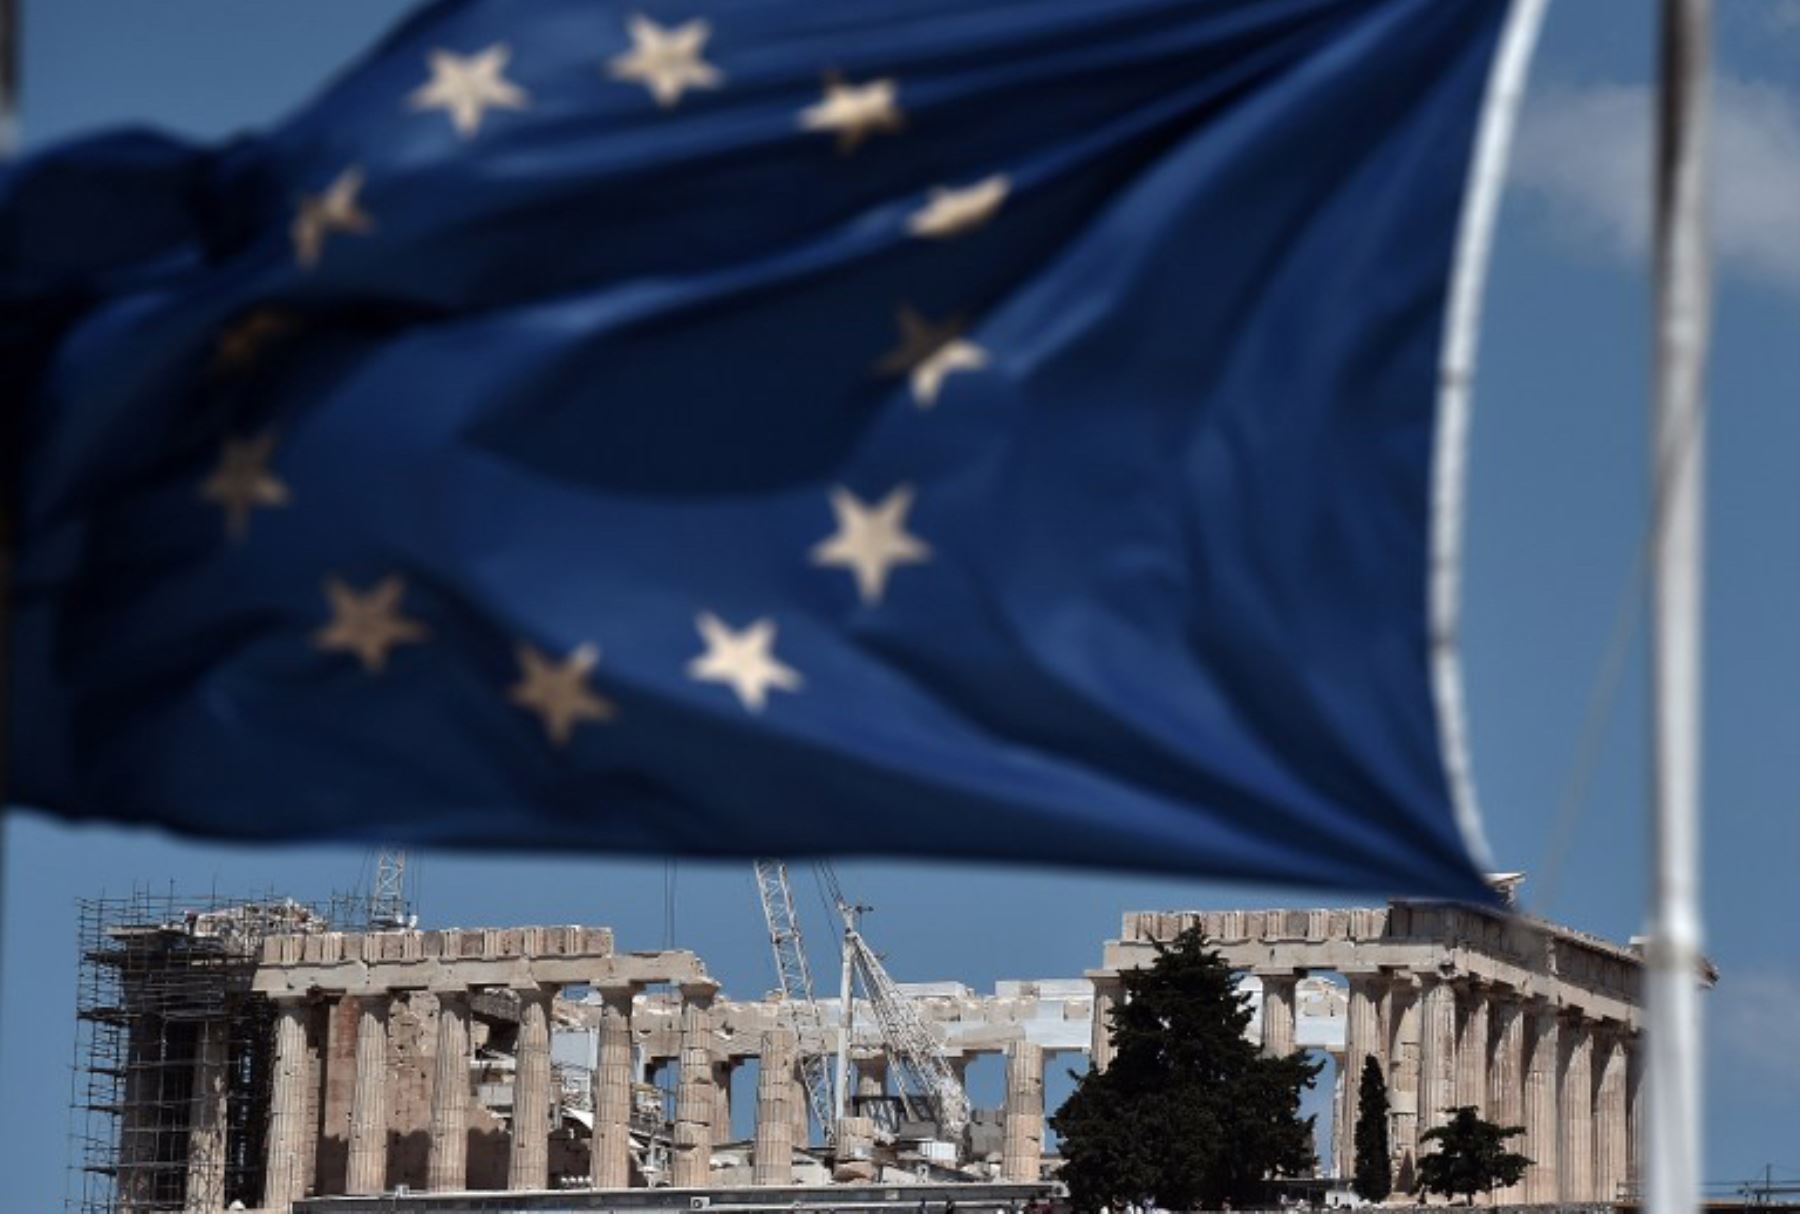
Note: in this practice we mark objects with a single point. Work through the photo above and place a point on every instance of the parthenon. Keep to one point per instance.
(524, 1059)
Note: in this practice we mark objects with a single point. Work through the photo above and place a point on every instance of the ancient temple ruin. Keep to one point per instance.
(256, 1059)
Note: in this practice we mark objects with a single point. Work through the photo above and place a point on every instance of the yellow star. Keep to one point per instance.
(558, 692)
(952, 212)
(871, 539)
(464, 86)
(242, 482)
(368, 623)
(742, 659)
(929, 352)
(666, 60)
(336, 210)
(241, 344)
(855, 111)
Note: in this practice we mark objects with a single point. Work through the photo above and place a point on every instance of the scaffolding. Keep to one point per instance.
(172, 1051)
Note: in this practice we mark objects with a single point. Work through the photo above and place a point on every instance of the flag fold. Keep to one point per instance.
(966, 428)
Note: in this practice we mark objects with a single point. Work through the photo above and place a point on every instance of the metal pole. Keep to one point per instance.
(9, 143)
(846, 1019)
(9, 77)
(1672, 1152)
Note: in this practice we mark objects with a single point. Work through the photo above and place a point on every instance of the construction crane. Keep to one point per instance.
(928, 1089)
(387, 895)
(795, 977)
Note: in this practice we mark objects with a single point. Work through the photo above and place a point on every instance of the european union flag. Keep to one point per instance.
(976, 428)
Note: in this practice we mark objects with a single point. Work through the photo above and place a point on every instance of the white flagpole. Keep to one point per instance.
(9, 77)
(1671, 1151)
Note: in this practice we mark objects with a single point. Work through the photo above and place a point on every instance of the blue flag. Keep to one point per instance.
(955, 427)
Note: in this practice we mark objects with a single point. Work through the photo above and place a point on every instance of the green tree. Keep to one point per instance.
(1189, 1113)
(1374, 1170)
(1471, 1157)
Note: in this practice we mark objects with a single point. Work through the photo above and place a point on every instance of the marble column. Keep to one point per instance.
(528, 1167)
(610, 1163)
(1362, 1040)
(135, 1187)
(722, 1071)
(801, 1106)
(776, 1094)
(695, 1098)
(1022, 1156)
(1278, 1014)
(871, 1080)
(366, 1173)
(447, 1148)
(1610, 1128)
(1437, 1052)
(1403, 1081)
(317, 1035)
(959, 1067)
(1575, 1101)
(284, 1180)
(1542, 1066)
(1506, 1077)
(1472, 1049)
(1634, 1111)
(1109, 992)
(206, 1121)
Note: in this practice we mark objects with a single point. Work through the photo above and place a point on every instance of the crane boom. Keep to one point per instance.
(922, 1072)
(795, 977)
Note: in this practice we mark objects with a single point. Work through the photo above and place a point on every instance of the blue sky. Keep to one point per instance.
(1557, 510)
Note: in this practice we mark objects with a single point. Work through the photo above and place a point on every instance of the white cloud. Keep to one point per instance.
(1585, 153)
(1756, 1018)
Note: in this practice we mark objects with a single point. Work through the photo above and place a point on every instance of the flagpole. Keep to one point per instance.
(9, 142)
(1672, 1150)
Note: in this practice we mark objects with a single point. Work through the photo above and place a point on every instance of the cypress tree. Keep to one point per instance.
(1190, 1114)
(1374, 1171)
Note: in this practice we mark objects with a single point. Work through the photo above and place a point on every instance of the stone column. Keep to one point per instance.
(722, 1071)
(801, 1106)
(1109, 992)
(1472, 1049)
(447, 1151)
(284, 1180)
(1437, 1052)
(317, 1034)
(1634, 1111)
(959, 1067)
(1403, 1081)
(1340, 1143)
(1506, 1078)
(1362, 1040)
(1610, 1129)
(1023, 1115)
(206, 1121)
(1575, 1099)
(528, 1167)
(1278, 1014)
(776, 1094)
(1543, 1054)
(133, 1183)
(610, 1165)
(871, 1080)
(366, 1173)
(695, 1099)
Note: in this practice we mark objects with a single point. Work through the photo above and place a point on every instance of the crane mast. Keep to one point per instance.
(923, 1079)
(795, 978)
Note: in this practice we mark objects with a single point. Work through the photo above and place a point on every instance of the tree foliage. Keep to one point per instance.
(1471, 1157)
(1374, 1178)
(1189, 1113)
